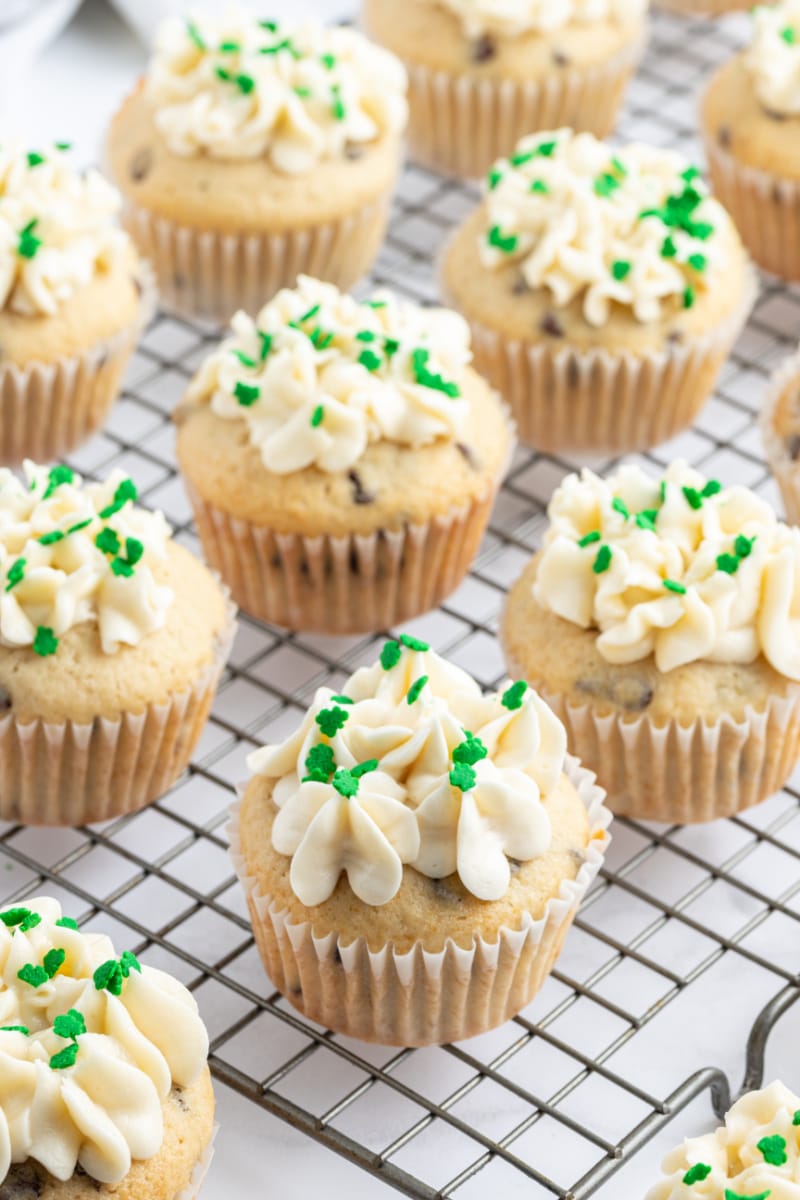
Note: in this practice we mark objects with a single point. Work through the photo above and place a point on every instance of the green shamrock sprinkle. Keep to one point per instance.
(245, 359)
(50, 539)
(390, 655)
(33, 975)
(15, 1029)
(698, 262)
(247, 393)
(328, 61)
(412, 643)
(730, 1195)
(342, 700)
(245, 83)
(743, 546)
(505, 243)
(194, 35)
(773, 1150)
(366, 335)
(603, 560)
(320, 764)
(110, 975)
(35, 159)
(712, 488)
(331, 720)
(307, 316)
(54, 961)
(229, 47)
(57, 476)
(108, 541)
(590, 538)
(430, 379)
(416, 688)
(28, 244)
(539, 188)
(463, 777)
(370, 360)
(266, 340)
(125, 492)
(21, 918)
(129, 962)
(606, 184)
(789, 36)
(365, 768)
(514, 696)
(697, 1174)
(69, 1024)
(796, 1118)
(728, 563)
(338, 107)
(621, 507)
(65, 1058)
(621, 270)
(470, 751)
(689, 297)
(67, 923)
(16, 573)
(493, 178)
(646, 519)
(673, 586)
(668, 247)
(45, 642)
(693, 498)
(318, 416)
(345, 783)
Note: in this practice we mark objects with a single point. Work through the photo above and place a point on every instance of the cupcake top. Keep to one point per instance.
(71, 552)
(773, 59)
(680, 568)
(633, 227)
(318, 376)
(509, 18)
(90, 1045)
(412, 764)
(235, 87)
(57, 229)
(755, 1154)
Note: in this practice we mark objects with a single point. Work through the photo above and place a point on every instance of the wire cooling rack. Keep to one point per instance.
(685, 954)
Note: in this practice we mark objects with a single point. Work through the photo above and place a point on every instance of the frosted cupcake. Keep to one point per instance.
(342, 459)
(604, 289)
(112, 640)
(704, 8)
(658, 621)
(755, 1154)
(73, 299)
(103, 1061)
(780, 431)
(253, 151)
(414, 854)
(483, 74)
(751, 126)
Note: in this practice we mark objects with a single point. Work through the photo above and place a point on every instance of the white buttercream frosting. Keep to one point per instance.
(680, 568)
(318, 376)
(72, 552)
(57, 229)
(90, 1046)
(412, 764)
(633, 227)
(508, 18)
(773, 58)
(756, 1153)
(235, 87)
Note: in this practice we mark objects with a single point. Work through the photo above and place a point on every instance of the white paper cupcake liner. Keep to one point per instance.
(765, 208)
(460, 124)
(48, 409)
(682, 774)
(76, 774)
(420, 997)
(704, 8)
(600, 401)
(200, 1171)
(785, 469)
(212, 275)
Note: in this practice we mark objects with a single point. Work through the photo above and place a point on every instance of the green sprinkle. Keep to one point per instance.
(229, 47)
(312, 312)
(129, 962)
(619, 167)
(540, 188)
(506, 243)
(730, 1195)
(108, 977)
(430, 379)
(121, 568)
(375, 303)
(245, 83)
(346, 783)
(108, 541)
(33, 975)
(45, 642)
(338, 109)
(53, 962)
(589, 539)
(673, 586)
(712, 488)
(546, 149)
(134, 550)
(697, 1174)
(16, 573)
(603, 560)
(668, 247)
(471, 751)
(65, 1058)
(646, 519)
(69, 1024)
(621, 507)
(789, 36)
(698, 262)
(63, 146)
(67, 923)
(328, 61)
(302, 92)
(412, 643)
(124, 493)
(320, 764)
(79, 525)
(743, 546)
(272, 26)
(35, 159)
(773, 1150)
(416, 688)
(728, 563)
(620, 270)
(318, 416)
(15, 1029)
(390, 655)
(370, 360)
(493, 178)
(365, 768)
(245, 359)
(331, 720)
(796, 1118)
(390, 346)
(366, 335)
(463, 777)
(22, 918)
(689, 297)
(247, 393)
(691, 173)
(321, 340)
(522, 157)
(342, 700)
(28, 244)
(693, 498)
(50, 539)
(606, 184)
(266, 343)
(514, 696)
(57, 476)
(195, 35)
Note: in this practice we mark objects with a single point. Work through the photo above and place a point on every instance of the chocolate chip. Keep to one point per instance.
(792, 444)
(443, 890)
(360, 494)
(675, 337)
(353, 152)
(724, 136)
(520, 286)
(177, 1096)
(23, 1182)
(468, 454)
(141, 164)
(551, 325)
(561, 59)
(484, 49)
(627, 692)
(776, 116)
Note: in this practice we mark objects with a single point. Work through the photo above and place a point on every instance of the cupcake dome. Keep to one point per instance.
(414, 854)
(73, 298)
(751, 126)
(780, 432)
(482, 74)
(253, 151)
(112, 639)
(104, 1065)
(658, 622)
(604, 289)
(342, 458)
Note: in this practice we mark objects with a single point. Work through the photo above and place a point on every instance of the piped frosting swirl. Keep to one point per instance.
(773, 58)
(509, 18)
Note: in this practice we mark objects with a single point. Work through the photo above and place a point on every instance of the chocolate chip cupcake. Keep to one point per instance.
(604, 289)
(342, 459)
(704, 8)
(74, 296)
(112, 640)
(780, 432)
(414, 854)
(103, 1060)
(658, 622)
(482, 74)
(253, 151)
(751, 127)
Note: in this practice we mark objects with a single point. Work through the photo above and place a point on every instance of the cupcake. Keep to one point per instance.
(604, 289)
(342, 459)
(658, 621)
(755, 1154)
(103, 1061)
(112, 640)
(780, 432)
(414, 854)
(74, 297)
(704, 8)
(254, 151)
(483, 74)
(751, 126)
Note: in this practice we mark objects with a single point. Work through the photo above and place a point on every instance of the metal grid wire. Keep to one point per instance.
(557, 1100)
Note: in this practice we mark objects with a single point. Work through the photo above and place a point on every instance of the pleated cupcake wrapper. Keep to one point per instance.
(785, 469)
(461, 124)
(765, 207)
(48, 409)
(704, 8)
(212, 275)
(75, 774)
(200, 1171)
(682, 774)
(420, 997)
(599, 400)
